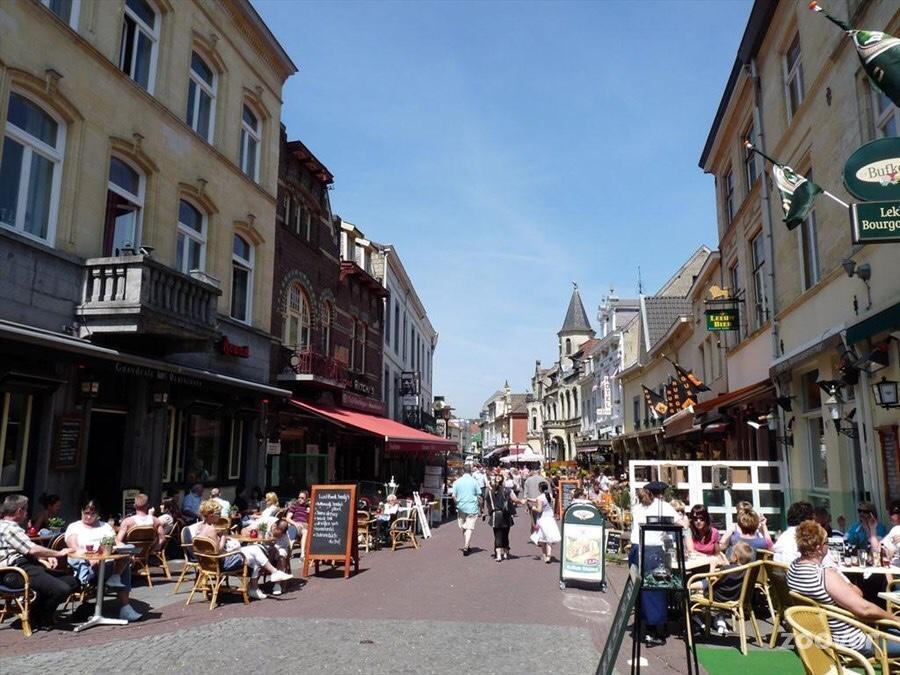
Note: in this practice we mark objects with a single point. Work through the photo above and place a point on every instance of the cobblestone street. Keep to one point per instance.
(425, 611)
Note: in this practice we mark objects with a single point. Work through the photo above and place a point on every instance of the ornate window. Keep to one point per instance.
(140, 36)
(241, 279)
(31, 169)
(296, 318)
(201, 102)
(190, 247)
(124, 208)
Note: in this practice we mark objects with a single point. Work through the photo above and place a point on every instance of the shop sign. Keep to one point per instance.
(875, 222)
(357, 402)
(156, 374)
(362, 387)
(724, 319)
(872, 173)
(273, 448)
(228, 348)
(67, 446)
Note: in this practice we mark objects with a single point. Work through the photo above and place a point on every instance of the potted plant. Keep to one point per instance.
(107, 544)
(55, 525)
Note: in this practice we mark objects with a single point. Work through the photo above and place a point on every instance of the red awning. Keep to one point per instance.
(397, 437)
(733, 397)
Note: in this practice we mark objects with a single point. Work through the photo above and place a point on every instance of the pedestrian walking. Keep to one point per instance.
(532, 489)
(468, 498)
(547, 531)
(500, 506)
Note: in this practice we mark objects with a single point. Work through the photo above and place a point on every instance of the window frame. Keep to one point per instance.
(793, 73)
(151, 32)
(808, 233)
(248, 133)
(751, 170)
(761, 313)
(734, 274)
(289, 314)
(239, 455)
(56, 155)
(728, 195)
(5, 403)
(327, 319)
(169, 452)
(201, 86)
(883, 117)
(136, 200)
(73, 15)
(246, 265)
(191, 234)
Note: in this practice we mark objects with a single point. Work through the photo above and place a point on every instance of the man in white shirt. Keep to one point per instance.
(785, 547)
(216, 495)
(604, 482)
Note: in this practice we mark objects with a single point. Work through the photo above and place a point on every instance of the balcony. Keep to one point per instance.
(133, 294)
(350, 270)
(308, 365)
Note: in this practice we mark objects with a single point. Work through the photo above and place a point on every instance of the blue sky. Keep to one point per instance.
(507, 149)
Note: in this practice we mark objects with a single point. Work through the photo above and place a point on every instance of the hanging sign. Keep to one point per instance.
(875, 222)
(872, 173)
(724, 319)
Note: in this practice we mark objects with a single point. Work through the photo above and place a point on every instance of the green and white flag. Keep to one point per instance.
(878, 52)
(797, 194)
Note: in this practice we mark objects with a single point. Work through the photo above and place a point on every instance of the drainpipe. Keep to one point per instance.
(766, 208)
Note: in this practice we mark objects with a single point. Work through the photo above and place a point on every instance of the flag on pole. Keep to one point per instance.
(797, 192)
(690, 381)
(878, 52)
(656, 404)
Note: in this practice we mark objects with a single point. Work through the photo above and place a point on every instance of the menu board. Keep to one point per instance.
(614, 542)
(565, 494)
(619, 626)
(332, 527)
(67, 444)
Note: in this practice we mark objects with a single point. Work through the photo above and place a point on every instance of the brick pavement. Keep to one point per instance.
(430, 610)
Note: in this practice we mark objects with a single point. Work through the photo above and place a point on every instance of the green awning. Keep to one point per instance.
(885, 320)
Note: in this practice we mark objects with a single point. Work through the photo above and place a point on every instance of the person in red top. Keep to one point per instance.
(298, 516)
(704, 536)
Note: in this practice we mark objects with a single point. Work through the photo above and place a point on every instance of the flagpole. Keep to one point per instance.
(753, 148)
(814, 6)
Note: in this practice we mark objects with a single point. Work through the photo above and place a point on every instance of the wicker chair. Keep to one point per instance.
(16, 601)
(212, 575)
(812, 639)
(143, 538)
(62, 566)
(776, 576)
(404, 528)
(160, 554)
(190, 560)
(762, 581)
(740, 609)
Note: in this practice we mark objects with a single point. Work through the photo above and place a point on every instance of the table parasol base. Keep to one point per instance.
(100, 621)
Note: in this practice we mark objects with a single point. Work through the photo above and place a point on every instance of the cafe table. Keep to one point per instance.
(247, 539)
(868, 570)
(102, 558)
(892, 598)
(697, 561)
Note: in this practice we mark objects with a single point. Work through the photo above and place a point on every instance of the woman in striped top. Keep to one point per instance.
(826, 585)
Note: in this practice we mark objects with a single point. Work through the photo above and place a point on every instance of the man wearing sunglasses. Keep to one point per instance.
(866, 532)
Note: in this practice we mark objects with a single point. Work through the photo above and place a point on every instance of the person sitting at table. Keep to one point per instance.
(51, 506)
(281, 546)
(808, 577)
(785, 546)
(254, 554)
(141, 518)
(866, 533)
(216, 494)
(751, 529)
(190, 503)
(298, 516)
(169, 513)
(88, 532)
(704, 537)
(891, 541)
(17, 550)
(272, 508)
(728, 587)
(389, 513)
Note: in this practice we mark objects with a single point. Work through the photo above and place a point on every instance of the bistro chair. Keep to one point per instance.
(740, 609)
(190, 560)
(776, 575)
(16, 599)
(819, 654)
(63, 567)
(212, 574)
(404, 528)
(161, 554)
(143, 538)
(223, 525)
(762, 581)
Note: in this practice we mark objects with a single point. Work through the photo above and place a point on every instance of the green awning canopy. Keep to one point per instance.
(885, 320)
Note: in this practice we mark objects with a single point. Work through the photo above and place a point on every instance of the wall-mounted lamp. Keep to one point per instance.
(863, 272)
(876, 359)
(886, 393)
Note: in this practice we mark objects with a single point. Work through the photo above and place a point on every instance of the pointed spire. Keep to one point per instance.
(576, 320)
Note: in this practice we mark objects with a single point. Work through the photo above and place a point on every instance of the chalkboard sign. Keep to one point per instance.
(564, 495)
(614, 542)
(619, 626)
(332, 527)
(67, 446)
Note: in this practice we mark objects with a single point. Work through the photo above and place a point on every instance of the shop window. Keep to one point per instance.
(67, 10)
(297, 318)
(250, 138)
(201, 100)
(124, 207)
(190, 242)
(31, 169)
(241, 280)
(203, 446)
(236, 449)
(137, 53)
(15, 424)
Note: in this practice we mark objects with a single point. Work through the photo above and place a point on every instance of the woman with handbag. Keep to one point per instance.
(500, 510)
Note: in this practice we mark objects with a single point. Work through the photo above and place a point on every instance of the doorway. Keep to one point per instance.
(103, 475)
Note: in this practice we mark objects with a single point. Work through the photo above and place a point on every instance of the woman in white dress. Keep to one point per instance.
(547, 529)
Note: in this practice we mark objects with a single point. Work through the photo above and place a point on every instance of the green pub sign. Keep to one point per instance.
(718, 320)
(875, 222)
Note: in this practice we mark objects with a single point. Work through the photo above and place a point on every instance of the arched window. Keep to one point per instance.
(124, 209)
(296, 318)
(31, 169)
(327, 320)
(241, 279)
(201, 102)
(140, 36)
(568, 346)
(190, 243)
(575, 400)
(250, 136)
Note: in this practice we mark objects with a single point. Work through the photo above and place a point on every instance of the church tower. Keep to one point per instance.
(575, 331)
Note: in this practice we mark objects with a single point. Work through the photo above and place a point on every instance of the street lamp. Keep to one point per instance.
(886, 393)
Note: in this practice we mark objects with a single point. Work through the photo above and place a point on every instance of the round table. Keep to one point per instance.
(247, 539)
(102, 558)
